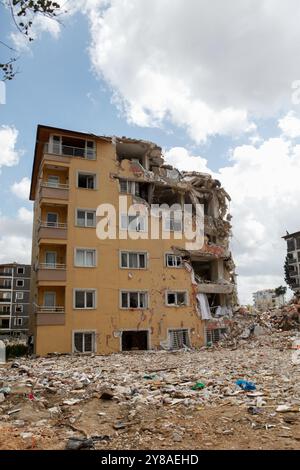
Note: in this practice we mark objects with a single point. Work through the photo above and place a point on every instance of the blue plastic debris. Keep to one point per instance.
(245, 385)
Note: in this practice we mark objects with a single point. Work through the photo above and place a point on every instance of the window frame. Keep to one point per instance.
(83, 332)
(22, 268)
(174, 256)
(126, 229)
(139, 292)
(94, 250)
(94, 291)
(176, 292)
(18, 319)
(20, 307)
(85, 217)
(86, 173)
(19, 295)
(20, 280)
(138, 253)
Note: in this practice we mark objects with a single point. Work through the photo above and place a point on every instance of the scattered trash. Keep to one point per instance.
(245, 385)
(254, 410)
(76, 443)
(119, 425)
(198, 386)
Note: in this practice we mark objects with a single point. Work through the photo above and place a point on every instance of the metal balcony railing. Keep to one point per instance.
(49, 184)
(69, 151)
(5, 300)
(46, 224)
(5, 286)
(5, 273)
(52, 309)
(4, 312)
(51, 266)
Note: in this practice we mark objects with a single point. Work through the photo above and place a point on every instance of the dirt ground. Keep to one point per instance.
(146, 401)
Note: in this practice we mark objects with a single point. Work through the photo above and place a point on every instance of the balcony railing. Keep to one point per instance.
(69, 151)
(47, 309)
(5, 286)
(52, 266)
(5, 273)
(5, 300)
(4, 312)
(49, 184)
(46, 224)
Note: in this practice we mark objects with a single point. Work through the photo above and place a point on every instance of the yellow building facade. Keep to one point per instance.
(109, 295)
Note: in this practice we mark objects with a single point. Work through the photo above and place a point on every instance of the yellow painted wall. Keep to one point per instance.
(108, 278)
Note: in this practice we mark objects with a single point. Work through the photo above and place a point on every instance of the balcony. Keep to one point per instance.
(4, 312)
(54, 191)
(50, 316)
(52, 230)
(5, 286)
(51, 272)
(5, 300)
(5, 273)
(214, 288)
(70, 150)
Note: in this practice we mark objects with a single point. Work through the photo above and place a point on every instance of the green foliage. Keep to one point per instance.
(16, 350)
(23, 13)
(281, 290)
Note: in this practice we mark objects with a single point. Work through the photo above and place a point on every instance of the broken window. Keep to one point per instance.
(177, 298)
(86, 181)
(134, 340)
(84, 298)
(134, 300)
(173, 261)
(129, 187)
(291, 245)
(213, 336)
(133, 260)
(73, 147)
(178, 339)
(84, 342)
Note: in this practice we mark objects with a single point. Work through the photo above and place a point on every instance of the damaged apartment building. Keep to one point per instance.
(110, 295)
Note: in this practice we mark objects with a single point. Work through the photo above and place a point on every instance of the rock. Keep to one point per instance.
(2, 397)
(177, 437)
(76, 443)
(106, 394)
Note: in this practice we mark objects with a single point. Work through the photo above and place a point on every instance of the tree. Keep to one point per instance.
(280, 292)
(23, 13)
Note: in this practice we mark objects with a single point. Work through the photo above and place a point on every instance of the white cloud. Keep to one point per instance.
(21, 188)
(15, 237)
(9, 156)
(209, 67)
(263, 182)
(290, 125)
(181, 159)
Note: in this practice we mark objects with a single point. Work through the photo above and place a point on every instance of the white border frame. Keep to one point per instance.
(91, 289)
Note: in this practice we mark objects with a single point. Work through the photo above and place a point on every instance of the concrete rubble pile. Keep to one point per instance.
(154, 399)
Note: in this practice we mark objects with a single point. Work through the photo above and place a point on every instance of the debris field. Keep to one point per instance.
(156, 400)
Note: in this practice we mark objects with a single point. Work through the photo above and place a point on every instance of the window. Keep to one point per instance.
(84, 342)
(85, 299)
(19, 309)
(298, 243)
(135, 223)
(20, 283)
(6, 309)
(9, 271)
(173, 261)
(213, 336)
(86, 181)
(178, 339)
(49, 299)
(52, 219)
(63, 145)
(53, 181)
(85, 257)
(85, 218)
(7, 283)
(129, 187)
(134, 299)
(50, 258)
(177, 298)
(133, 260)
(20, 270)
(19, 295)
(18, 321)
(173, 222)
(291, 245)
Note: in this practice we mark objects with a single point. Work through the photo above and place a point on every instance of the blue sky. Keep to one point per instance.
(187, 83)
